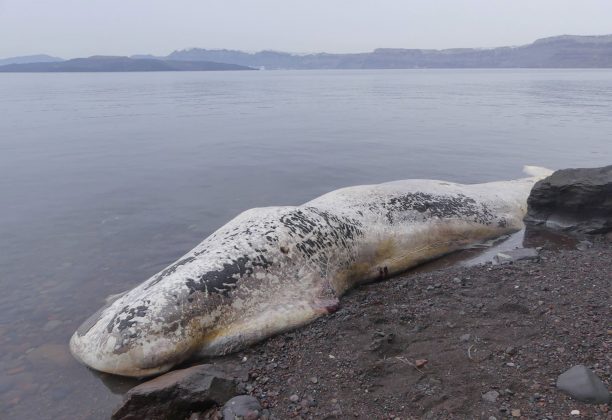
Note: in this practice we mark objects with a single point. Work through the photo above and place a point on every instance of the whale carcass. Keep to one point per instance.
(275, 268)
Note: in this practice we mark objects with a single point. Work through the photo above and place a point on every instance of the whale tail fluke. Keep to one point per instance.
(537, 171)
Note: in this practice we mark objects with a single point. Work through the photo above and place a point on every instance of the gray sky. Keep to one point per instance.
(71, 28)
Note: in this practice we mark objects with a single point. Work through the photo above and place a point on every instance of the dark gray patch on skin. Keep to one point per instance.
(221, 281)
(195, 305)
(128, 321)
(444, 207)
(337, 231)
(169, 270)
(317, 231)
(313, 230)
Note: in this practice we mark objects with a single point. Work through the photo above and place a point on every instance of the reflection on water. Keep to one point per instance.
(107, 178)
(485, 253)
(116, 384)
(549, 239)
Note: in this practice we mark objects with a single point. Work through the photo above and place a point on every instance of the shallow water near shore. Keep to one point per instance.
(107, 178)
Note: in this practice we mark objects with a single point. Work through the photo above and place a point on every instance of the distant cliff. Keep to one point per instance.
(118, 64)
(564, 51)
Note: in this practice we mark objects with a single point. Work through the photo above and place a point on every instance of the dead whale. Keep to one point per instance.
(272, 269)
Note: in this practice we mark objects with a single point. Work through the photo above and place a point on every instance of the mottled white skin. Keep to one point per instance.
(273, 269)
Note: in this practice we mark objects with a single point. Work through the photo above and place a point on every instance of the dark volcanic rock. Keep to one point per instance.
(573, 200)
(582, 384)
(177, 394)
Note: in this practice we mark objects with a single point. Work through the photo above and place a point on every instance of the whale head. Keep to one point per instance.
(193, 305)
(181, 312)
(163, 321)
(142, 333)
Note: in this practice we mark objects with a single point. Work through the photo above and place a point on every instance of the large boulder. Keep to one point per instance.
(177, 394)
(573, 200)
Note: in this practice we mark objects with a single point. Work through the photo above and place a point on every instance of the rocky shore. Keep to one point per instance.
(462, 342)
(527, 335)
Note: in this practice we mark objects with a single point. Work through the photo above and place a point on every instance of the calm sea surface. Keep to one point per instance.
(107, 178)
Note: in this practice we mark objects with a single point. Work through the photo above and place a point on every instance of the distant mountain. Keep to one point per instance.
(118, 64)
(585, 39)
(566, 51)
(40, 58)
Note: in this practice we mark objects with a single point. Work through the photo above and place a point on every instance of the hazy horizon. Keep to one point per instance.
(68, 28)
(277, 50)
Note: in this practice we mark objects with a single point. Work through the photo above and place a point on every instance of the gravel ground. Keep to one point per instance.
(435, 344)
